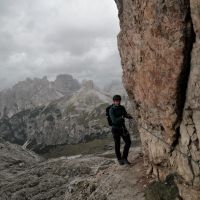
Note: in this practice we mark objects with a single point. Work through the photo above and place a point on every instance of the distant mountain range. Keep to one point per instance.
(54, 113)
(35, 92)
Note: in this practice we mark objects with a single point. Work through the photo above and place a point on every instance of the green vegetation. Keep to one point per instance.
(93, 147)
(96, 146)
(162, 191)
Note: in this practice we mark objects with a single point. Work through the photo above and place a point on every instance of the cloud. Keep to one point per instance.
(50, 37)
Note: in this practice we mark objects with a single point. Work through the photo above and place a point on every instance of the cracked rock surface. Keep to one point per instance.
(159, 47)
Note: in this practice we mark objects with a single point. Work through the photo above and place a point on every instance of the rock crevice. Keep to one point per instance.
(182, 82)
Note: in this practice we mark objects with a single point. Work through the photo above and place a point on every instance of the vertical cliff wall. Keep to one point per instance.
(159, 47)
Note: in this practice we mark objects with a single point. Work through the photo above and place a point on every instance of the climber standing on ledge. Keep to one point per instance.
(117, 113)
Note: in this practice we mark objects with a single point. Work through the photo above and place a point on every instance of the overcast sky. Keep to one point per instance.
(50, 37)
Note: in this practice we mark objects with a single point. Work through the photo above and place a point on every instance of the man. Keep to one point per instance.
(117, 114)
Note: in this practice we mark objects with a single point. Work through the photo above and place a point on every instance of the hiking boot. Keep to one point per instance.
(126, 162)
(121, 162)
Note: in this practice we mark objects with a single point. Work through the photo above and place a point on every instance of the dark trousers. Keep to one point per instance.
(117, 134)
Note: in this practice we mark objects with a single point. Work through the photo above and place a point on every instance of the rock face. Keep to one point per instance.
(64, 121)
(159, 47)
(35, 92)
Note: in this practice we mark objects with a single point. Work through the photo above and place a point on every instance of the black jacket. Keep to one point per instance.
(117, 115)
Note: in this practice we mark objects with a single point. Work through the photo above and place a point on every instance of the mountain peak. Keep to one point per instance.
(89, 84)
(36, 92)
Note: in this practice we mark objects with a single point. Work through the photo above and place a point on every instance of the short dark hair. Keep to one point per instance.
(117, 97)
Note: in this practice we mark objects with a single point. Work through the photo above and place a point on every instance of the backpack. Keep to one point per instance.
(108, 115)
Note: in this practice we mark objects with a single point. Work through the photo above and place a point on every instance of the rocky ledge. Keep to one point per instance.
(24, 175)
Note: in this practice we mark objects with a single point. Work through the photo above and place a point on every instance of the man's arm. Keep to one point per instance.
(115, 120)
(126, 115)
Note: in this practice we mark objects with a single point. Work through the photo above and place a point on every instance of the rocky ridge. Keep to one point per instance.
(68, 120)
(35, 92)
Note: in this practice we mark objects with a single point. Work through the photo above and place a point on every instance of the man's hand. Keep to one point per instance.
(129, 116)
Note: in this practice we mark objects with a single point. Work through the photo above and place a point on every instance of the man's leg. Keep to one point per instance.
(127, 145)
(116, 137)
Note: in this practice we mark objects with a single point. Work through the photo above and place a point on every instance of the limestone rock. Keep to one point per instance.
(159, 45)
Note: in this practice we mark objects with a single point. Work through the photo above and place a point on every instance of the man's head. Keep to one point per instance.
(116, 99)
